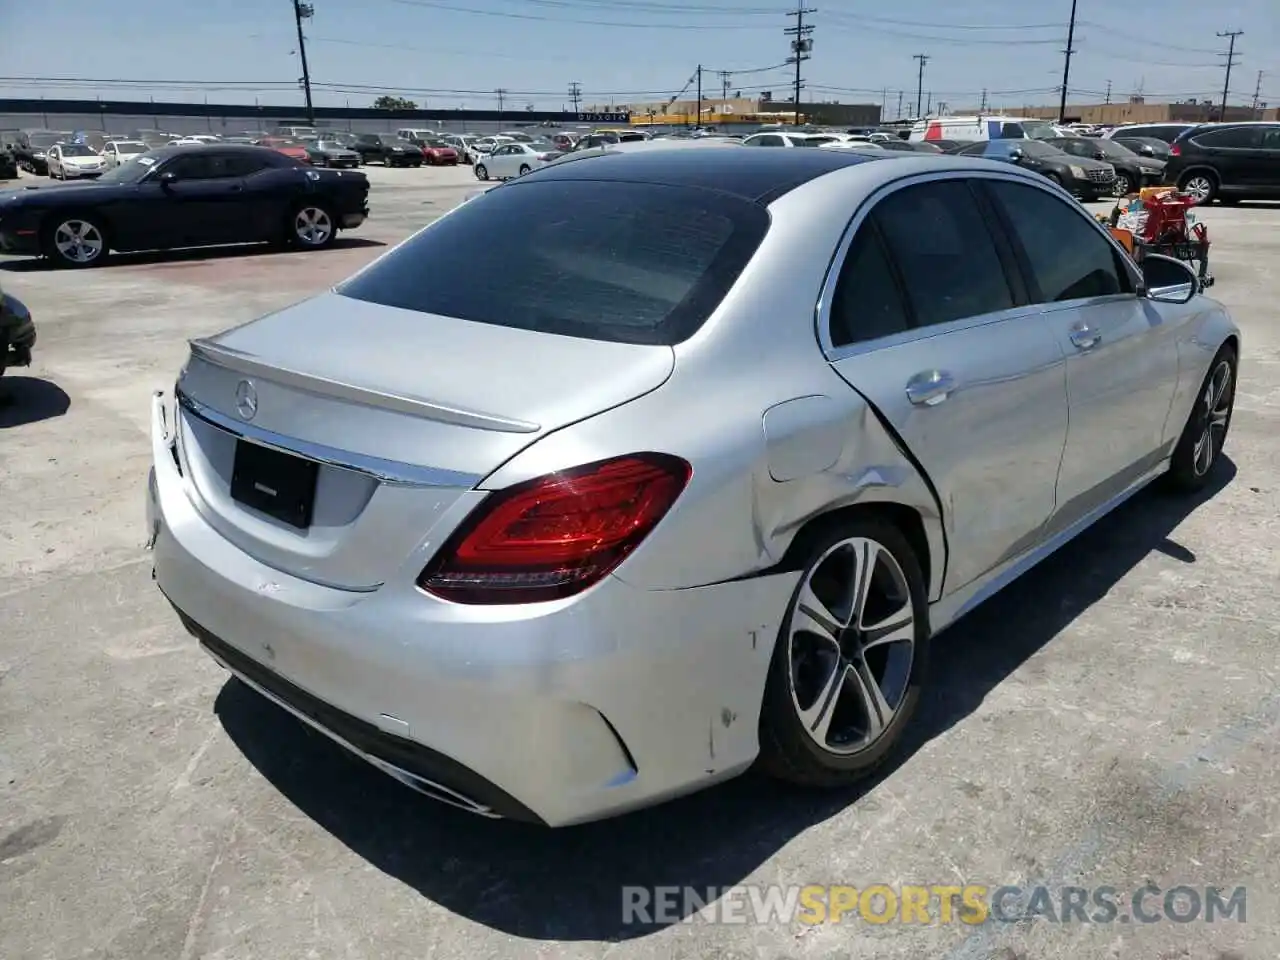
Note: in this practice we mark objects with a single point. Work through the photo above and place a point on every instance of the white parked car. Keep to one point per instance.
(117, 152)
(775, 138)
(73, 161)
(515, 159)
(486, 145)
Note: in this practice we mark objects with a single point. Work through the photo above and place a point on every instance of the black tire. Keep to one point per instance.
(482, 172)
(524, 168)
(1124, 184)
(1201, 184)
(320, 228)
(1192, 465)
(788, 750)
(1053, 178)
(59, 231)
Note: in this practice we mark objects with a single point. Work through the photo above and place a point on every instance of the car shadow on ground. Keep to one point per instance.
(189, 255)
(567, 884)
(26, 400)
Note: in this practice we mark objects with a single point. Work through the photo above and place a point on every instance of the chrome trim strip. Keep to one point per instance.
(385, 471)
(244, 363)
(428, 788)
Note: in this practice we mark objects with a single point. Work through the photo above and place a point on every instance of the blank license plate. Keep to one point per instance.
(277, 484)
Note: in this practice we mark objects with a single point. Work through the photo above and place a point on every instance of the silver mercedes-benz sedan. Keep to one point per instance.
(640, 470)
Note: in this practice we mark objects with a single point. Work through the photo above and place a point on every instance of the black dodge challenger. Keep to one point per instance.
(190, 196)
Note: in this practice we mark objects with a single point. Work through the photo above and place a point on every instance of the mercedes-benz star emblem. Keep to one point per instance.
(246, 400)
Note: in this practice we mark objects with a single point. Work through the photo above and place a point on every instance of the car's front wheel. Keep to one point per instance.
(524, 168)
(1200, 447)
(482, 172)
(1124, 184)
(311, 227)
(78, 240)
(850, 657)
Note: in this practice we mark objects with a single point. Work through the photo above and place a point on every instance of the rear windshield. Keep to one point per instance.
(625, 262)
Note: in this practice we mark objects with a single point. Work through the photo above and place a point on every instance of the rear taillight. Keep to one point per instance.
(1175, 150)
(547, 157)
(554, 536)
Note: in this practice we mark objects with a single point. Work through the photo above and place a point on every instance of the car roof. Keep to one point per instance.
(163, 153)
(756, 175)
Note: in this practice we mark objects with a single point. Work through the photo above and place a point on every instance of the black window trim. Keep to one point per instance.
(871, 226)
(822, 308)
(1036, 296)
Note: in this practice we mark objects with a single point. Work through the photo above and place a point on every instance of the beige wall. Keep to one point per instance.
(1139, 112)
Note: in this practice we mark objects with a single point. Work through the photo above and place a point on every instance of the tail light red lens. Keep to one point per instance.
(547, 157)
(1175, 151)
(555, 536)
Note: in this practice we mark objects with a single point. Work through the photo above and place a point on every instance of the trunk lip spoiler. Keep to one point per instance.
(385, 471)
(241, 362)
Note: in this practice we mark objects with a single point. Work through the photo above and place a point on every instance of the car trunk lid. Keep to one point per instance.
(389, 415)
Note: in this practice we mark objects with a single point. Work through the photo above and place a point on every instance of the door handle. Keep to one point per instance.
(929, 388)
(236, 188)
(1085, 337)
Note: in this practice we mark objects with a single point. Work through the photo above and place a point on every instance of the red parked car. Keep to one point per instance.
(437, 152)
(293, 149)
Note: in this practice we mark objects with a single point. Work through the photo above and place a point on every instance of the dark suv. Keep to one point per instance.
(1227, 161)
(1132, 171)
(1083, 176)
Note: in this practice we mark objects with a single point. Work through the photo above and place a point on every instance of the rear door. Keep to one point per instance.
(1122, 354)
(929, 322)
(1234, 153)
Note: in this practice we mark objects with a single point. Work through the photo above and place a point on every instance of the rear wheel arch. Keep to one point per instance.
(906, 519)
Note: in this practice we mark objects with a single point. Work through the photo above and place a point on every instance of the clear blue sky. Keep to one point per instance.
(453, 53)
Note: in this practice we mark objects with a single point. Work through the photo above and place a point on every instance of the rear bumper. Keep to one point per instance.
(17, 333)
(352, 220)
(24, 242)
(559, 712)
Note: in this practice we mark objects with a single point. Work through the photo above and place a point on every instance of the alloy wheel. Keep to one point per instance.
(312, 226)
(1214, 408)
(850, 645)
(1199, 188)
(79, 241)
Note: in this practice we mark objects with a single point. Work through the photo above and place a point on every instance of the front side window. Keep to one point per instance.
(623, 262)
(938, 237)
(1068, 258)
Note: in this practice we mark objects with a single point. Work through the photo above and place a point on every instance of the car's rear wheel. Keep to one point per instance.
(311, 227)
(849, 660)
(524, 168)
(1200, 447)
(482, 172)
(1199, 186)
(77, 240)
(1124, 184)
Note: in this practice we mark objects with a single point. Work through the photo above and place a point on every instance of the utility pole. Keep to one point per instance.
(575, 94)
(1231, 62)
(697, 120)
(928, 107)
(923, 58)
(1108, 91)
(1257, 92)
(1066, 64)
(901, 94)
(801, 48)
(303, 11)
(724, 84)
(502, 98)
(983, 107)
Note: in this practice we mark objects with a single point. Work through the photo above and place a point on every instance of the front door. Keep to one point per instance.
(206, 203)
(969, 376)
(1122, 355)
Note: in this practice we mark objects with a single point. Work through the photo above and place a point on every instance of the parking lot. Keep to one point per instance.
(1109, 720)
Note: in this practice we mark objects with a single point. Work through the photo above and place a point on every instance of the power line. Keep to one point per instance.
(1231, 62)
(923, 58)
(801, 48)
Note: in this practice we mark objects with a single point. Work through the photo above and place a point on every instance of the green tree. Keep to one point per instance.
(394, 103)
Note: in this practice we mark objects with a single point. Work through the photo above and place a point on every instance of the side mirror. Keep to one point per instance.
(167, 178)
(1168, 280)
(1016, 154)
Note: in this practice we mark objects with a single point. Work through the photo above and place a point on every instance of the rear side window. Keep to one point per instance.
(1068, 258)
(1240, 138)
(939, 238)
(867, 303)
(626, 262)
